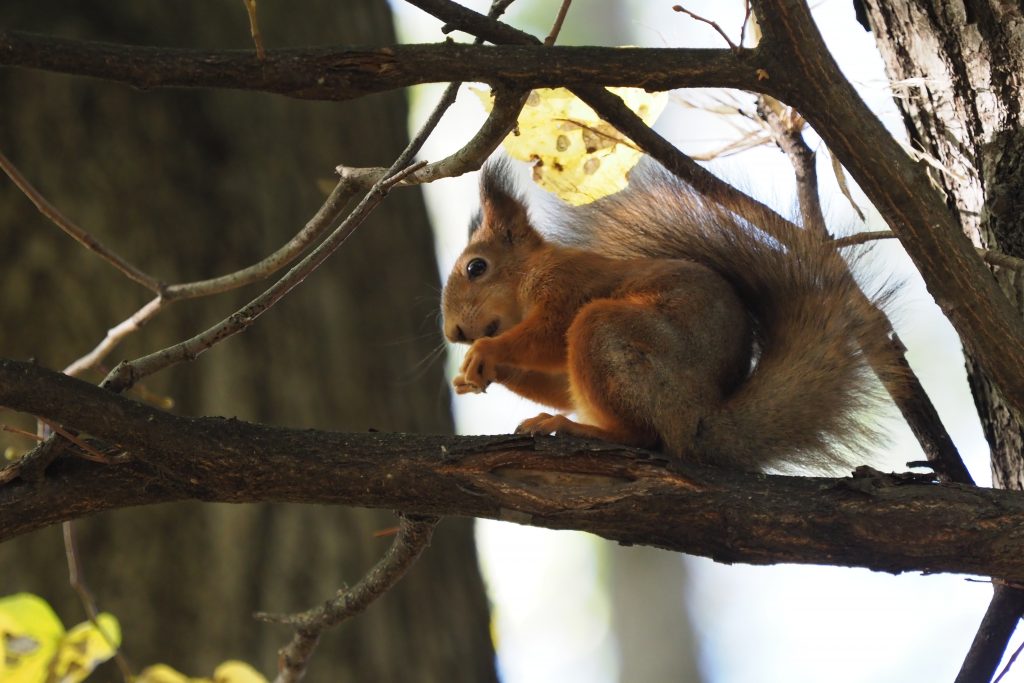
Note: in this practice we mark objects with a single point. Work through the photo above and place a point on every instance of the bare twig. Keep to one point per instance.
(786, 127)
(862, 238)
(998, 624)
(413, 537)
(286, 254)
(21, 432)
(315, 228)
(1009, 663)
(114, 337)
(254, 29)
(78, 234)
(712, 24)
(991, 257)
(499, 122)
(126, 374)
(88, 452)
(559, 20)
(77, 581)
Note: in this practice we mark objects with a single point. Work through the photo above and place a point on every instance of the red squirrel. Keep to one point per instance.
(664, 321)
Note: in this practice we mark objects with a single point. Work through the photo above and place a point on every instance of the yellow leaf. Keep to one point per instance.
(233, 671)
(161, 673)
(85, 647)
(29, 634)
(575, 154)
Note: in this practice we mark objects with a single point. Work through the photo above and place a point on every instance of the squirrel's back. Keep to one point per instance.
(804, 402)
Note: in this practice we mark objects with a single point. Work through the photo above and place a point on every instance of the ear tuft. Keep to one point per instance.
(502, 207)
(475, 222)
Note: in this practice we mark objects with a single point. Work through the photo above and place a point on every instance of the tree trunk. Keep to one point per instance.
(956, 69)
(190, 184)
(958, 66)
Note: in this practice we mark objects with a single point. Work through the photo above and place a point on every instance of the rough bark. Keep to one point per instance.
(957, 67)
(189, 185)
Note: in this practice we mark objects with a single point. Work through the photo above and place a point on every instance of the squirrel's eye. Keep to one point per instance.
(476, 268)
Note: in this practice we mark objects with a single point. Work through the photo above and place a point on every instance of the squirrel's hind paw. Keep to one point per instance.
(546, 423)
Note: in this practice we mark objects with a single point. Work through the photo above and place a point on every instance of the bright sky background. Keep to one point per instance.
(755, 624)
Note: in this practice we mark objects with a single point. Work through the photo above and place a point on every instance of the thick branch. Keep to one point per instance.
(342, 73)
(623, 494)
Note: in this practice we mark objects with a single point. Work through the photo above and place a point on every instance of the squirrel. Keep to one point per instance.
(665, 321)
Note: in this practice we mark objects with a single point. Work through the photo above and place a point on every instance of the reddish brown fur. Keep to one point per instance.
(648, 333)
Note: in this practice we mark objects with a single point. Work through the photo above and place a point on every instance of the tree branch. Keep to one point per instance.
(885, 523)
(344, 72)
(413, 537)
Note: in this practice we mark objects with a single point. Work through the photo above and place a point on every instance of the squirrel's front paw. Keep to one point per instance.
(465, 386)
(477, 371)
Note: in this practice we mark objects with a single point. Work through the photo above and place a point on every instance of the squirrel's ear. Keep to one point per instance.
(502, 209)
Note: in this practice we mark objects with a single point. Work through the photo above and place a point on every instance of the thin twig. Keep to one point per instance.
(77, 233)
(500, 121)
(254, 29)
(787, 133)
(991, 257)
(680, 8)
(1009, 663)
(414, 534)
(114, 336)
(559, 20)
(21, 432)
(126, 374)
(998, 624)
(286, 254)
(88, 452)
(862, 238)
(77, 581)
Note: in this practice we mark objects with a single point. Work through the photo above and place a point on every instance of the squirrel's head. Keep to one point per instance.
(483, 296)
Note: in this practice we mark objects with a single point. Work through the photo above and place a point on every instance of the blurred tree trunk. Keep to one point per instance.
(653, 628)
(192, 184)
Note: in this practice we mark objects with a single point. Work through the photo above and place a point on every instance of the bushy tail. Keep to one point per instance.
(804, 402)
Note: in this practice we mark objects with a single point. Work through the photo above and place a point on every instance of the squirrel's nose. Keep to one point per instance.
(460, 336)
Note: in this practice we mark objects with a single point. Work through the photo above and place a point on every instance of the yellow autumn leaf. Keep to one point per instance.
(85, 647)
(233, 671)
(161, 673)
(30, 632)
(576, 155)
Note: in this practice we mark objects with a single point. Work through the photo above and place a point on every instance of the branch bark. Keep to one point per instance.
(346, 72)
(891, 524)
